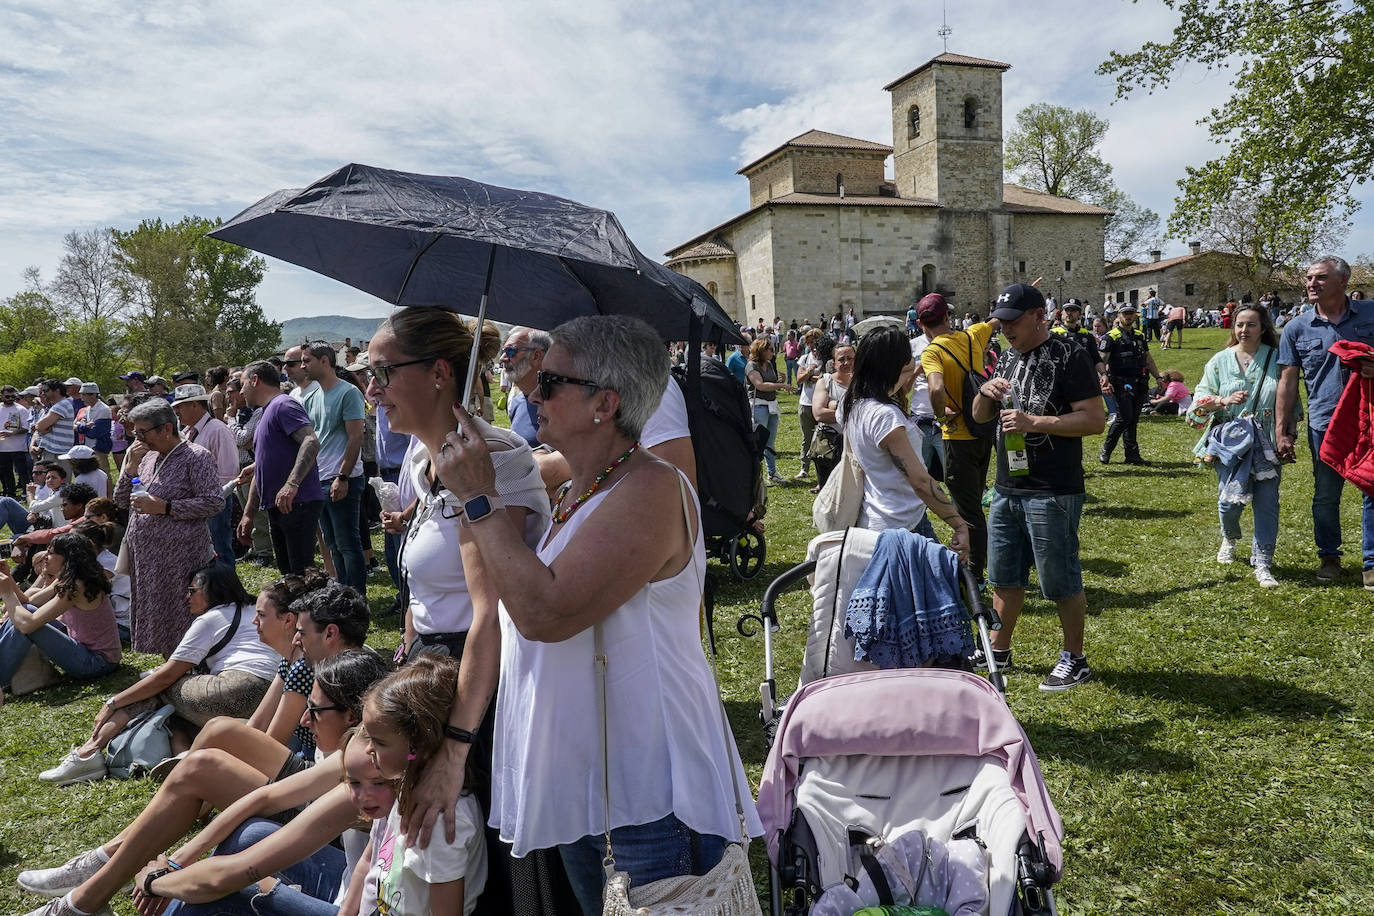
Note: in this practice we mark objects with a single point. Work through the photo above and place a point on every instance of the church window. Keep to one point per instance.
(712, 289)
(1188, 289)
(1068, 267)
(914, 121)
(839, 183)
(1020, 267)
(927, 279)
(970, 112)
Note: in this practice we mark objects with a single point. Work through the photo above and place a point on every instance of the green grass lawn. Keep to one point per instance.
(1221, 760)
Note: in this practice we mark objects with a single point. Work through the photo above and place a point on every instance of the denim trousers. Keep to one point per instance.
(666, 848)
(339, 521)
(1326, 507)
(14, 515)
(52, 640)
(221, 532)
(318, 875)
(1264, 503)
(763, 417)
(293, 535)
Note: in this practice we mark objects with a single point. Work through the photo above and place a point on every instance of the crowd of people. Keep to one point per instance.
(548, 576)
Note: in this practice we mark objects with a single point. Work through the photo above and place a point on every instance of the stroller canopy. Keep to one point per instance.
(904, 713)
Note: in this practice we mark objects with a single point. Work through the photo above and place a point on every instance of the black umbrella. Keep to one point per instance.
(515, 256)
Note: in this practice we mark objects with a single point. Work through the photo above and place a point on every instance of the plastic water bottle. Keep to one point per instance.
(388, 494)
(1014, 443)
(139, 489)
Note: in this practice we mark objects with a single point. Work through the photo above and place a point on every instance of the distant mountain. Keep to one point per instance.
(328, 327)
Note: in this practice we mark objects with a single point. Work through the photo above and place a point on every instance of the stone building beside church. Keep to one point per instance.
(826, 230)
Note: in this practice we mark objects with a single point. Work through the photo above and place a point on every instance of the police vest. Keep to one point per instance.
(1124, 352)
(1082, 336)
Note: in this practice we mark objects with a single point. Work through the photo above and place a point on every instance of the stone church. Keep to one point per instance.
(826, 229)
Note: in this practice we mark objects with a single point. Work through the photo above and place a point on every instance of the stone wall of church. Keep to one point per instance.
(815, 171)
(956, 165)
(969, 285)
(1059, 245)
(773, 180)
(718, 276)
(753, 241)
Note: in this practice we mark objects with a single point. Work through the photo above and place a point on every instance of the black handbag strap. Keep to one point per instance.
(223, 641)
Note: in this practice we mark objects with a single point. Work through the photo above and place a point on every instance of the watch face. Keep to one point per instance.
(477, 507)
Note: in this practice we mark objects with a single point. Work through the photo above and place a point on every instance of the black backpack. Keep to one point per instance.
(728, 450)
(973, 380)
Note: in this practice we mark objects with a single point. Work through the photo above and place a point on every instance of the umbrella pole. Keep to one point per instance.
(477, 335)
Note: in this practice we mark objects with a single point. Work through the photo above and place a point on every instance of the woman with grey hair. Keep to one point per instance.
(169, 533)
(619, 574)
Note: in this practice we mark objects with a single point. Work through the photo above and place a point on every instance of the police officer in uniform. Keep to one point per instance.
(1073, 331)
(1126, 354)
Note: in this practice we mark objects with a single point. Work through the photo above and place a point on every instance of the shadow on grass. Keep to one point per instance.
(744, 722)
(1228, 696)
(1155, 469)
(1101, 599)
(1112, 569)
(1137, 513)
(1114, 748)
(65, 692)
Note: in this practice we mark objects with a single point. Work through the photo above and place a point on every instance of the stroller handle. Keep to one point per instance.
(781, 584)
(976, 608)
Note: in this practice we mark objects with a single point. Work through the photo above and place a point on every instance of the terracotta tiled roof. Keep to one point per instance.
(713, 247)
(1163, 264)
(820, 139)
(958, 60)
(1023, 200)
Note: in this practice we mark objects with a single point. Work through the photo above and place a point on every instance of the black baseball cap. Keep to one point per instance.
(1016, 300)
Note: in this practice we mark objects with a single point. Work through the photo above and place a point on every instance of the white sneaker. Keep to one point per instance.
(1265, 578)
(74, 769)
(65, 878)
(1227, 553)
(62, 907)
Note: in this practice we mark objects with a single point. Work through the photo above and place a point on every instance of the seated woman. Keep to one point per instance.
(1174, 399)
(102, 534)
(88, 469)
(624, 563)
(87, 882)
(101, 509)
(70, 621)
(220, 668)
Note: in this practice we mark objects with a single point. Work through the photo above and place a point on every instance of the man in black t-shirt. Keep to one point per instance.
(1034, 514)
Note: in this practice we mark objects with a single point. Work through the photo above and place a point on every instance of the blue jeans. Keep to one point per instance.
(1264, 502)
(339, 521)
(52, 640)
(14, 515)
(762, 417)
(1326, 506)
(319, 876)
(1035, 529)
(221, 532)
(791, 370)
(391, 543)
(666, 848)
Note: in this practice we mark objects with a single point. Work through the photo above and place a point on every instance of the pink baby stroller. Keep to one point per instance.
(926, 760)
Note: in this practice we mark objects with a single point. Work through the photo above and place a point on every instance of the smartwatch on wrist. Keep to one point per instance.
(479, 507)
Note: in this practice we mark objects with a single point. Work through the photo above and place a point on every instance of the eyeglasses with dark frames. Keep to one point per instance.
(547, 381)
(382, 372)
(509, 352)
(314, 711)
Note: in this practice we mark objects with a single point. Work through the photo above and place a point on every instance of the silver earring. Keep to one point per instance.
(437, 386)
(596, 419)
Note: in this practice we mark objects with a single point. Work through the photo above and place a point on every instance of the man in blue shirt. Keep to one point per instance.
(521, 359)
(736, 363)
(1303, 350)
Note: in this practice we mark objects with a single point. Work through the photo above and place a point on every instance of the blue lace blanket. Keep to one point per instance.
(1243, 455)
(906, 611)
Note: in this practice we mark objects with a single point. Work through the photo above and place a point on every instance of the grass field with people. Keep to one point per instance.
(1221, 760)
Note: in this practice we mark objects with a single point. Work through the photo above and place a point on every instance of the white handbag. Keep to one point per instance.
(841, 500)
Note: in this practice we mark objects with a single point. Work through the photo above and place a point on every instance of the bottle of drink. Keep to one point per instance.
(139, 489)
(1018, 462)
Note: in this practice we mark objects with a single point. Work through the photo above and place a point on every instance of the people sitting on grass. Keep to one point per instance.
(220, 668)
(68, 619)
(86, 883)
(1173, 398)
(74, 497)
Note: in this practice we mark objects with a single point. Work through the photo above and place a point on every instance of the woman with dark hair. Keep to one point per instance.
(70, 620)
(1242, 381)
(169, 530)
(216, 380)
(762, 374)
(883, 436)
(220, 668)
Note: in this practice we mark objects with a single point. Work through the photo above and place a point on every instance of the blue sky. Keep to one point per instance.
(118, 112)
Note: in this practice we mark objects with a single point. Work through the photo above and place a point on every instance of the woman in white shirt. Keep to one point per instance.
(620, 575)
(219, 668)
(886, 441)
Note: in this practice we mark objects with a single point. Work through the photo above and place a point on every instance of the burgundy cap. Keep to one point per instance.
(932, 309)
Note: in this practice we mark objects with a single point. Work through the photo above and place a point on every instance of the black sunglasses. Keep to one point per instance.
(382, 373)
(509, 352)
(291, 362)
(547, 381)
(314, 711)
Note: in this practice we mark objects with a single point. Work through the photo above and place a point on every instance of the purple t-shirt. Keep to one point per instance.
(275, 451)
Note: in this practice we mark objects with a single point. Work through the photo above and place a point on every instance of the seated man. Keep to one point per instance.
(74, 497)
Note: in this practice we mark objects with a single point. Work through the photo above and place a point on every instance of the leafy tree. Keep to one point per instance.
(1298, 129)
(1054, 149)
(32, 345)
(86, 281)
(1242, 225)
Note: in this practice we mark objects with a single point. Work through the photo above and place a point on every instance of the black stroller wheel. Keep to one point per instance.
(746, 554)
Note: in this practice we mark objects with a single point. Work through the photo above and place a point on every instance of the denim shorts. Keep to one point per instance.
(1039, 530)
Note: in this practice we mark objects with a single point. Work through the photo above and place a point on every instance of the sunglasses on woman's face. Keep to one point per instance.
(314, 711)
(547, 381)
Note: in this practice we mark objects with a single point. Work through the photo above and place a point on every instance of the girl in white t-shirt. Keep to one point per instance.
(405, 717)
(886, 442)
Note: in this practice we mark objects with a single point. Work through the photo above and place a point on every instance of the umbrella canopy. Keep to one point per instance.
(446, 241)
(877, 321)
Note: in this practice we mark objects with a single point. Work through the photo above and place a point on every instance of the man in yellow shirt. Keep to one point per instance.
(949, 357)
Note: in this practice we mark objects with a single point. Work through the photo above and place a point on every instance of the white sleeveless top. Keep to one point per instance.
(668, 751)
